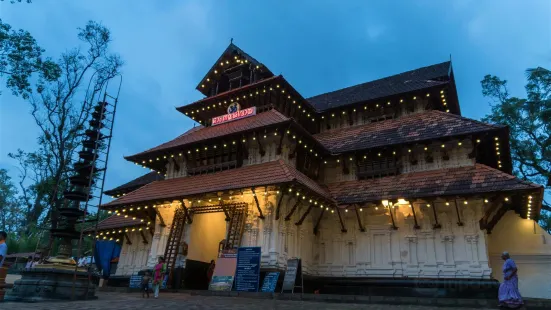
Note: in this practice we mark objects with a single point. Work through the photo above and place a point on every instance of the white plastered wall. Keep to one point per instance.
(204, 235)
(530, 248)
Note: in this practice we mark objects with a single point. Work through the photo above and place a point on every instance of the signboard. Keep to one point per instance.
(247, 274)
(135, 281)
(294, 268)
(270, 282)
(233, 107)
(239, 114)
(224, 272)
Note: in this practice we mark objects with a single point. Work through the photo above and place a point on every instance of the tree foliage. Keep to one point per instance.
(9, 211)
(61, 108)
(20, 58)
(529, 121)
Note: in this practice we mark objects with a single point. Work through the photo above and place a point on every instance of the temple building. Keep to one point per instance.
(383, 180)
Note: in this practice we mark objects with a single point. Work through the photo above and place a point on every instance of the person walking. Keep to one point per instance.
(3, 247)
(509, 295)
(159, 274)
(145, 284)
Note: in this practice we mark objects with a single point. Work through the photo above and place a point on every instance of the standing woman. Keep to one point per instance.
(159, 275)
(509, 295)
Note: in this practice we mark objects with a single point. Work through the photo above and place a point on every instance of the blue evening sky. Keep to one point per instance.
(317, 45)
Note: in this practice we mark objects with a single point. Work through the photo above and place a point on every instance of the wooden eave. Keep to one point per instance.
(157, 160)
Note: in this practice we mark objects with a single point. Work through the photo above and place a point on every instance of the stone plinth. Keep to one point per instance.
(51, 284)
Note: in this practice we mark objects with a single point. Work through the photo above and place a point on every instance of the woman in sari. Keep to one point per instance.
(509, 295)
(158, 276)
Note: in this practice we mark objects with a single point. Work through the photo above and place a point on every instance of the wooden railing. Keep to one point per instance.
(212, 168)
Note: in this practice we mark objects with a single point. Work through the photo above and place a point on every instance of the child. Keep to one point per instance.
(145, 284)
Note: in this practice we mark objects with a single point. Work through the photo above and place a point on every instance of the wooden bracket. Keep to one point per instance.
(316, 228)
(176, 165)
(127, 239)
(144, 239)
(278, 206)
(445, 155)
(362, 228)
(474, 152)
(392, 217)
(436, 224)
(261, 216)
(161, 220)
(416, 226)
(279, 147)
(412, 160)
(345, 169)
(428, 158)
(186, 213)
(245, 148)
(294, 152)
(484, 220)
(303, 217)
(261, 150)
(343, 228)
(288, 217)
(459, 223)
(497, 217)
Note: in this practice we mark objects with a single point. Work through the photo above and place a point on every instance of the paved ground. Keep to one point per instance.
(123, 301)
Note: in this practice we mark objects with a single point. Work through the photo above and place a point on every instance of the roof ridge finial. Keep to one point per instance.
(231, 40)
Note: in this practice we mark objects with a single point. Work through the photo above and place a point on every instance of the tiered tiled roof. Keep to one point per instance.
(408, 129)
(269, 118)
(270, 173)
(114, 222)
(409, 81)
(135, 184)
(468, 180)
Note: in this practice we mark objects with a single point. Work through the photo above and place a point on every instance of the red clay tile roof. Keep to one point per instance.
(469, 180)
(114, 222)
(222, 94)
(270, 173)
(135, 184)
(412, 128)
(405, 82)
(261, 120)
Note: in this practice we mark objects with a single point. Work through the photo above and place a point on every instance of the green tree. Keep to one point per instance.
(20, 58)
(529, 121)
(35, 186)
(61, 109)
(8, 203)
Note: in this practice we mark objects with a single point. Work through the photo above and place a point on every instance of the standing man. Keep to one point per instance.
(3, 247)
